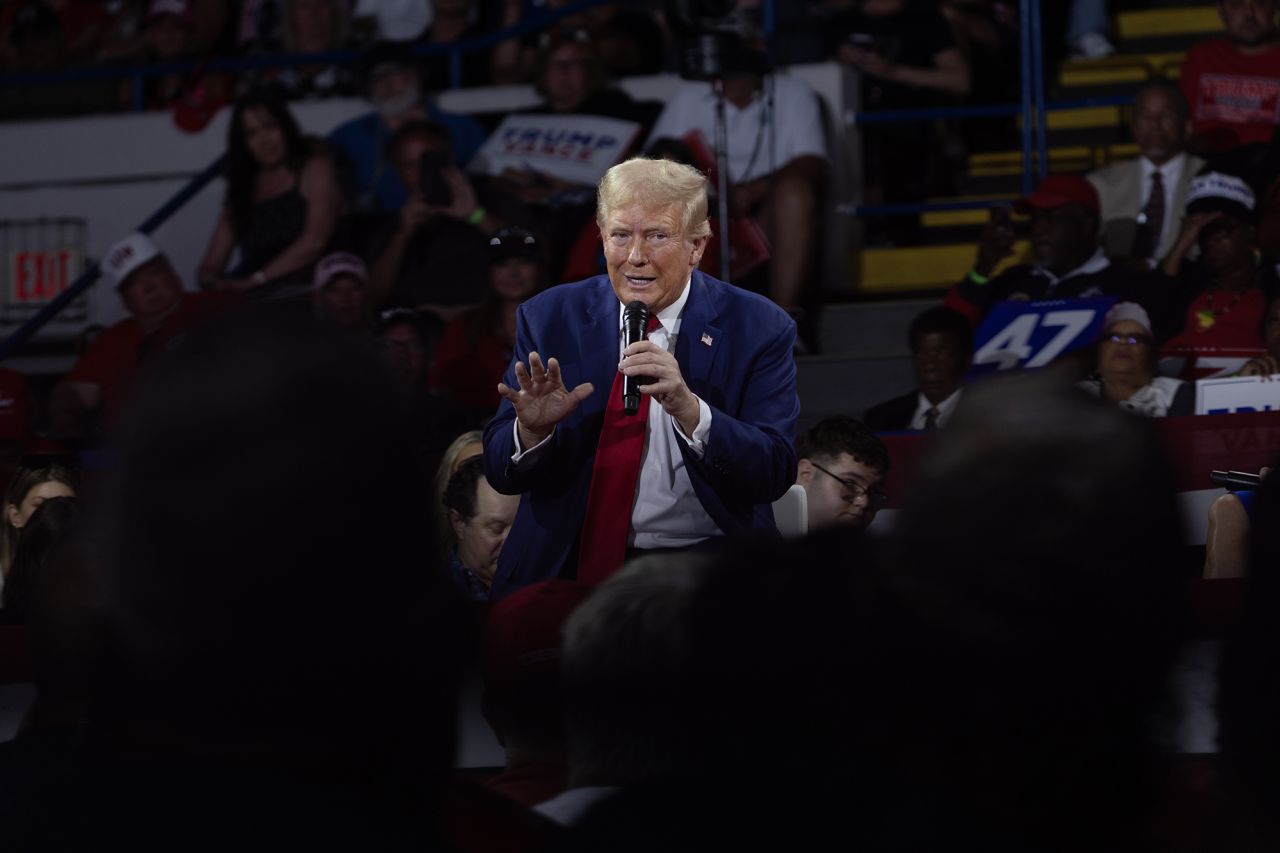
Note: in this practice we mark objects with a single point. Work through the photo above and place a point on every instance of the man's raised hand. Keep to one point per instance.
(542, 400)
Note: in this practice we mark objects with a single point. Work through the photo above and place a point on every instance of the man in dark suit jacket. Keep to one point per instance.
(941, 342)
(720, 430)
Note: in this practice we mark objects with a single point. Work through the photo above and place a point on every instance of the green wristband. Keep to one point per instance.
(477, 216)
(977, 277)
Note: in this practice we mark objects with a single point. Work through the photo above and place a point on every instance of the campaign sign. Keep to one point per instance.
(576, 149)
(1032, 334)
(1238, 394)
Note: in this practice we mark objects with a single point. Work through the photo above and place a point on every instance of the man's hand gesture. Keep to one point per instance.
(542, 400)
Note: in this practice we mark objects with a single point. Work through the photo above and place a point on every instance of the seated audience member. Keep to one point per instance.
(340, 293)
(1217, 301)
(217, 708)
(523, 697)
(1269, 364)
(37, 479)
(282, 200)
(170, 34)
(1125, 371)
(479, 521)
(478, 344)
(777, 159)
(406, 344)
(160, 313)
(907, 57)
(1140, 198)
(1064, 239)
(571, 77)
(459, 450)
(841, 466)
(393, 84)
(33, 39)
(431, 255)
(454, 21)
(624, 666)
(1231, 82)
(941, 343)
(315, 26)
(45, 530)
(993, 718)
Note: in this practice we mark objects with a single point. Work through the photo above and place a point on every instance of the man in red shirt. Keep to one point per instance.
(160, 312)
(1232, 84)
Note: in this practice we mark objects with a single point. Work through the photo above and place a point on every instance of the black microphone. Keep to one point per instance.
(635, 322)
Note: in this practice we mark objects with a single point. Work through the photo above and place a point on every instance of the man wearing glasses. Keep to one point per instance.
(842, 466)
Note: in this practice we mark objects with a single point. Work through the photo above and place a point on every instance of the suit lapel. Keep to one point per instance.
(598, 342)
(700, 340)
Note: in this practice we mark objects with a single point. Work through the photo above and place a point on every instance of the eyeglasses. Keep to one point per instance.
(1131, 340)
(875, 497)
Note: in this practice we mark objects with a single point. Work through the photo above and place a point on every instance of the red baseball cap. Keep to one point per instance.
(1058, 191)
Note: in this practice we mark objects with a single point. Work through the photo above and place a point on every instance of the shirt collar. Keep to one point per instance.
(1170, 172)
(1096, 263)
(944, 407)
(669, 317)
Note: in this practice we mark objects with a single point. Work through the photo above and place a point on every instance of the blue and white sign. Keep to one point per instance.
(576, 149)
(1238, 394)
(1032, 334)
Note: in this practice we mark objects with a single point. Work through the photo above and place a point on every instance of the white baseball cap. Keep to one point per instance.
(398, 20)
(126, 256)
(336, 264)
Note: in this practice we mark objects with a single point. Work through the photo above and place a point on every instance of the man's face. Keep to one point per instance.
(940, 363)
(151, 291)
(840, 494)
(1158, 126)
(341, 301)
(565, 80)
(1062, 234)
(480, 538)
(1248, 22)
(647, 254)
(403, 353)
(393, 88)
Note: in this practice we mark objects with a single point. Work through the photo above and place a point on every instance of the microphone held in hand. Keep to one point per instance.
(635, 323)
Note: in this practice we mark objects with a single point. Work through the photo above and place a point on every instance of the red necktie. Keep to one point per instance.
(603, 546)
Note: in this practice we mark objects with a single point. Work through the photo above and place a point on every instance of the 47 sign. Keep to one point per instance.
(1032, 334)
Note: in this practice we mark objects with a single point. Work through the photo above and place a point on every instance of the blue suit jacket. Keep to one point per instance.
(735, 352)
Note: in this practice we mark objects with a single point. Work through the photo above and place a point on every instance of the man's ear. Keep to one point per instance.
(804, 472)
(699, 246)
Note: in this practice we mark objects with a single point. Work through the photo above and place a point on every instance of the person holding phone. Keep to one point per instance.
(431, 255)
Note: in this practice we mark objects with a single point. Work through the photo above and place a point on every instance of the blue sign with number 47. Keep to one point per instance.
(1032, 334)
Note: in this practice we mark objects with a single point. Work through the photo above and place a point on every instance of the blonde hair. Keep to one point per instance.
(449, 463)
(656, 183)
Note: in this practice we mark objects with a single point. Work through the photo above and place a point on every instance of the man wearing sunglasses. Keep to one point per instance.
(842, 468)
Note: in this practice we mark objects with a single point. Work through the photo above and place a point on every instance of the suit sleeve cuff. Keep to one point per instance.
(520, 452)
(698, 441)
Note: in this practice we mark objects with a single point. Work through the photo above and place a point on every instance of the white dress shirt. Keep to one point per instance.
(945, 408)
(666, 512)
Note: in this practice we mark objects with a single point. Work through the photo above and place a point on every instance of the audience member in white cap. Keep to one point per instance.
(339, 292)
(1217, 301)
(1126, 368)
(160, 312)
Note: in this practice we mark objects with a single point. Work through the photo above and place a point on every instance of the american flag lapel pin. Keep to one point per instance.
(707, 340)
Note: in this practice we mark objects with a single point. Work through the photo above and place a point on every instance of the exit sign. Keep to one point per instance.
(37, 276)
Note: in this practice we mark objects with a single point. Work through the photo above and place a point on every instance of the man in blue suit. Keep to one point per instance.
(718, 442)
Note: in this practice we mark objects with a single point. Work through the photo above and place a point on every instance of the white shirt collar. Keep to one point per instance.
(944, 407)
(1170, 172)
(669, 317)
(1096, 263)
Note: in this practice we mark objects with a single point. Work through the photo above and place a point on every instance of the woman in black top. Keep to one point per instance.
(282, 201)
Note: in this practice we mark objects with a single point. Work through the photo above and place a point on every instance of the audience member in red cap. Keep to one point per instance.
(477, 344)
(160, 313)
(523, 698)
(1064, 239)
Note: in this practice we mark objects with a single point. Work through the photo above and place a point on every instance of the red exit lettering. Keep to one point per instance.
(40, 276)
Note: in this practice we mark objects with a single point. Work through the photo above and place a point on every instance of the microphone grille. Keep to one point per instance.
(636, 309)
